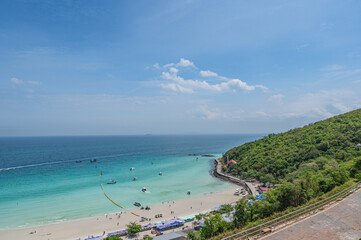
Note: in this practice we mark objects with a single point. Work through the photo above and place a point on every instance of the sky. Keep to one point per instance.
(176, 66)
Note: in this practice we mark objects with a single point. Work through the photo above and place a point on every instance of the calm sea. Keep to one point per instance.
(51, 179)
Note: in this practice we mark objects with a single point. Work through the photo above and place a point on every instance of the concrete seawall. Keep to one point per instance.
(217, 172)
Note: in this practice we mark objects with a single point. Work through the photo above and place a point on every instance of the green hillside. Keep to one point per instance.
(326, 148)
(309, 162)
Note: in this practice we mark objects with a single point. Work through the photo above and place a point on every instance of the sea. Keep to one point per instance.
(51, 179)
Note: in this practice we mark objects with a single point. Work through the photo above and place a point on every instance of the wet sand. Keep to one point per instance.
(82, 228)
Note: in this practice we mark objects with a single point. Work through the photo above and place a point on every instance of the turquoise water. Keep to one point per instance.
(45, 184)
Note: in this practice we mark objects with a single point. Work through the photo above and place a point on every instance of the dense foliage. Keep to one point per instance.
(325, 150)
(133, 228)
(308, 162)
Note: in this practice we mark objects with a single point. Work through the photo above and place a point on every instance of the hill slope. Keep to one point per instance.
(327, 146)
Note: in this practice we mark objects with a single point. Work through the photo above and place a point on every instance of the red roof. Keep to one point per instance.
(231, 161)
(263, 189)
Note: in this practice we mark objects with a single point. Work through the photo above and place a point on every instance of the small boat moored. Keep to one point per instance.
(131, 169)
(135, 179)
(189, 193)
(78, 161)
(112, 182)
(160, 173)
(144, 189)
(93, 160)
(137, 204)
(236, 192)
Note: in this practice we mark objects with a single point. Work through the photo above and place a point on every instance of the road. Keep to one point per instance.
(340, 222)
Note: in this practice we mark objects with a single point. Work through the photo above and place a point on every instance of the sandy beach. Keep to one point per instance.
(82, 228)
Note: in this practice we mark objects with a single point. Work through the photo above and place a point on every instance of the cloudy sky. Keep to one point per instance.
(176, 67)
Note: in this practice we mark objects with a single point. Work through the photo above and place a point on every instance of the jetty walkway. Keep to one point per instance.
(218, 173)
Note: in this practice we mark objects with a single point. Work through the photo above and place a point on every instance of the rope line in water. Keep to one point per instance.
(118, 204)
(109, 197)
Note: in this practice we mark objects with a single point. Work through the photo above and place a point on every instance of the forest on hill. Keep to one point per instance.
(306, 164)
(325, 152)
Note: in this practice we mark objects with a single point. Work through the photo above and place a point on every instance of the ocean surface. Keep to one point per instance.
(51, 179)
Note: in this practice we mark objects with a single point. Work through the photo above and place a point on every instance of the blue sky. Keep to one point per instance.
(176, 67)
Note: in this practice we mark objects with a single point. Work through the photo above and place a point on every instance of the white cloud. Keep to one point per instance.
(168, 65)
(208, 74)
(189, 86)
(177, 83)
(205, 113)
(156, 66)
(16, 80)
(185, 63)
(324, 104)
(276, 98)
(182, 63)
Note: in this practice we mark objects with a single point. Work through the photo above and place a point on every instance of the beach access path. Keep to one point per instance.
(82, 228)
(250, 187)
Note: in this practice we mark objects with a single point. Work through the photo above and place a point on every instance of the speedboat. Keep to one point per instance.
(144, 189)
(160, 173)
(137, 204)
(93, 160)
(131, 169)
(135, 179)
(111, 182)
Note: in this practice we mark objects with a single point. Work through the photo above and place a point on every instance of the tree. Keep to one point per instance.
(226, 208)
(133, 228)
(192, 236)
(147, 237)
(290, 195)
(240, 214)
(213, 225)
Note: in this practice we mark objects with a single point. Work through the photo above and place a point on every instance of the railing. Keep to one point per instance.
(256, 231)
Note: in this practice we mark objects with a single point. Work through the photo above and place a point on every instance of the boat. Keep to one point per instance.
(144, 189)
(112, 182)
(131, 169)
(236, 192)
(160, 173)
(5, 169)
(189, 192)
(137, 204)
(147, 208)
(93, 160)
(135, 179)
(78, 161)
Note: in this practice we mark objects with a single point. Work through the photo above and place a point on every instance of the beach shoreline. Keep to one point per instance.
(82, 228)
(97, 225)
